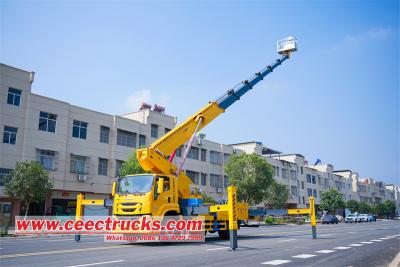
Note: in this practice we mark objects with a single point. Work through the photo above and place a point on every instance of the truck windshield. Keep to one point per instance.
(135, 184)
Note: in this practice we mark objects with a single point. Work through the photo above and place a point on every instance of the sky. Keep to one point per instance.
(336, 99)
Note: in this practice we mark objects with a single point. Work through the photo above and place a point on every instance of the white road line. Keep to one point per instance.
(286, 240)
(366, 242)
(304, 256)
(356, 245)
(325, 251)
(275, 262)
(325, 234)
(96, 263)
(209, 249)
(384, 238)
(376, 240)
(342, 248)
(351, 232)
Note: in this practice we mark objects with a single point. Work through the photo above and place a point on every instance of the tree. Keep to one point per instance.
(364, 208)
(29, 183)
(251, 174)
(380, 210)
(390, 207)
(208, 199)
(277, 196)
(352, 205)
(131, 166)
(331, 200)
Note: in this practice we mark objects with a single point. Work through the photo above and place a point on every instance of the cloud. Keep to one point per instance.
(134, 101)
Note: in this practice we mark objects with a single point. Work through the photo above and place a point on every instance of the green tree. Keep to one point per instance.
(352, 205)
(277, 196)
(331, 200)
(29, 183)
(131, 166)
(251, 174)
(208, 199)
(390, 207)
(364, 208)
(380, 210)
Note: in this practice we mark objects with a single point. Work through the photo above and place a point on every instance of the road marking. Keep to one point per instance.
(376, 240)
(342, 248)
(325, 234)
(351, 232)
(275, 262)
(384, 238)
(286, 240)
(325, 251)
(59, 251)
(217, 248)
(366, 242)
(304, 256)
(96, 263)
(356, 245)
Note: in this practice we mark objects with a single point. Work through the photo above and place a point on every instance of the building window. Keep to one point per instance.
(277, 171)
(226, 181)
(215, 157)
(308, 178)
(226, 156)
(309, 192)
(284, 173)
(302, 184)
(125, 138)
(203, 179)
(167, 130)
(193, 153)
(118, 165)
(142, 140)
(203, 155)
(315, 193)
(104, 134)
(179, 151)
(194, 176)
(10, 135)
(294, 191)
(154, 130)
(5, 176)
(314, 181)
(14, 97)
(301, 170)
(215, 180)
(293, 175)
(79, 129)
(304, 200)
(79, 164)
(103, 167)
(47, 122)
(46, 158)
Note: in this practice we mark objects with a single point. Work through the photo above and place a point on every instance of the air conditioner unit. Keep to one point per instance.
(219, 189)
(81, 177)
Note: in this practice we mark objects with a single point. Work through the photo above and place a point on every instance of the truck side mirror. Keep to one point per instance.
(160, 185)
(114, 188)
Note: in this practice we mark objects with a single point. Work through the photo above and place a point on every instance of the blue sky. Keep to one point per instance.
(337, 99)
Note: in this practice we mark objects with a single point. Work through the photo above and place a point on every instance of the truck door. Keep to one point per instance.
(163, 201)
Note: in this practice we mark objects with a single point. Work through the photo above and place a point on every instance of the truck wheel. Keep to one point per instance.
(223, 234)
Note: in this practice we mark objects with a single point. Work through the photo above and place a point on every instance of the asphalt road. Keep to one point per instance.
(366, 244)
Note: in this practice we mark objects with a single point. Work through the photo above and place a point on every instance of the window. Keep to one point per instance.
(166, 130)
(194, 176)
(104, 134)
(277, 171)
(142, 140)
(47, 122)
(154, 130)
(125, 138)
(314, 193)
(193, 153)
(14, 97)
(215, 157)
(226, 181)
(293, 189)
(309, 192)
(179, 151)
(46, 158)
(302, 184)
(226, 156)
(284, 173)
(103, 167)
(215, 180)
(203, 155)
(301, 170)
(10, 135)
(308, 178)
(314, 181)
(203, 179)
(304, 200)
(5, 175)
(79, 164)
(293, 174)
(79, 129)
(118, 165)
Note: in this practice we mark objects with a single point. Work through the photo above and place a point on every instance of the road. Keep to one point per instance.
(366, 244)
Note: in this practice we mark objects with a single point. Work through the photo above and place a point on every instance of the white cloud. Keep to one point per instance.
(134, 101)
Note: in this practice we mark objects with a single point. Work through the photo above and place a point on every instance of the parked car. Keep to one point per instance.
(352, 218)
(372, 218)
(364, 218)
(327, 219)
(340, 218)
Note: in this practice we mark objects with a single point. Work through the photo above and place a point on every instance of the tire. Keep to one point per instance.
(223, 234)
